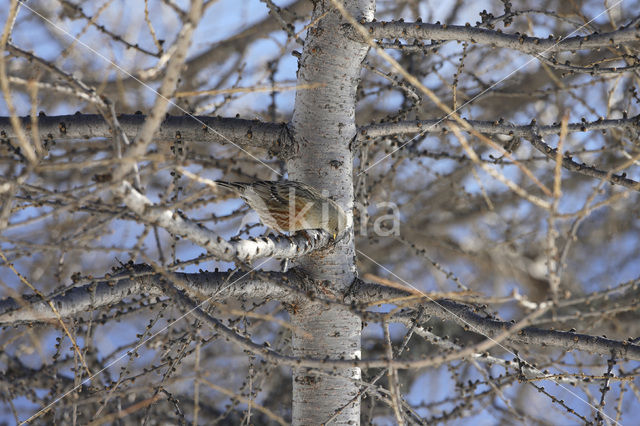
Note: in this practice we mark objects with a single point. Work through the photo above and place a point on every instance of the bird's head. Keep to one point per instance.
(338, 221)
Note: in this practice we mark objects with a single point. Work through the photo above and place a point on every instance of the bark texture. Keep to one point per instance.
(323, 126)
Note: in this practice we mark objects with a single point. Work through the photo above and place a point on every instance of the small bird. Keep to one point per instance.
(291, 206)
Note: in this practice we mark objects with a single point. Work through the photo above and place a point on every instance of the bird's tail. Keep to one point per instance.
(234, 186)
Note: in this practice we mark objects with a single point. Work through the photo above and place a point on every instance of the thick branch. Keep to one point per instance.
(519, 42)
(280, 247)
(269, 285)
(276, 137)
(469, 320)
(529, 132)
(139, 280)
(272, 136)
(243, 133)
(493, 127)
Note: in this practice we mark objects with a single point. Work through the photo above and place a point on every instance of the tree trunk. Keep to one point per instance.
(323, 125)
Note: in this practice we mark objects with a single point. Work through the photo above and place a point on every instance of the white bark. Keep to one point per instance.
(323, 125)
(276, 246)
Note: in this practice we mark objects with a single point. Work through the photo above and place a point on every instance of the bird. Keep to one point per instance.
(291, 206)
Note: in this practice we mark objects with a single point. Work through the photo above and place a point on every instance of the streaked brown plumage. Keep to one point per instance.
(291, 206)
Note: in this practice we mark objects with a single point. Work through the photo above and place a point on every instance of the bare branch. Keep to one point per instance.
(84, 89)
(77, 10)
(241, 132)
(528, 131)
(166, 91)
(139, 280)
(493, 127)
(280, 247)
(215, 285)
(495, 38)
(489, 327)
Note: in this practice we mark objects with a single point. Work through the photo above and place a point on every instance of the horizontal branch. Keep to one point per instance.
(272, 136)
(529, 131)
(276, 246)
(220, 286)
(488, 327)
(495, 38)
(493, 127)
(139, 280)
(566, 340)
(276, 138)
(236, 131)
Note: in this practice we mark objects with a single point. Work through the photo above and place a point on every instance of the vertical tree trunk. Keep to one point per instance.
(324, 124)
